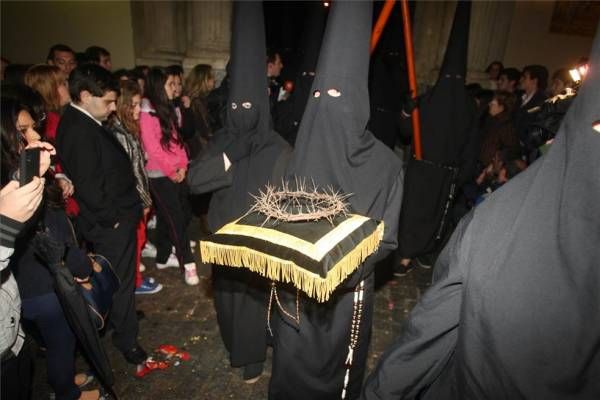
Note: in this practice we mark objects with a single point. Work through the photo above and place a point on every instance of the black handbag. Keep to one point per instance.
(99, 289)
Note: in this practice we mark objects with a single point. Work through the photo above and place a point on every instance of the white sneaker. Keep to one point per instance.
(192, 247)
(172, 261)
(149, 250)
(142, 267)
(151, 223)
(191, 276)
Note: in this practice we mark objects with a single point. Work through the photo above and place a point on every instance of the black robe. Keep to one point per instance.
(514, 311)
(240, 296)
(449, 148)
(334, 149)
(388, 84)
(309, 359)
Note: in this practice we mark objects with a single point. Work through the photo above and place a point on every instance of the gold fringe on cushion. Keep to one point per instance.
(281, 270)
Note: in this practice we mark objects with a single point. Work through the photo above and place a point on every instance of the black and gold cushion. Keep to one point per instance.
(315, 256)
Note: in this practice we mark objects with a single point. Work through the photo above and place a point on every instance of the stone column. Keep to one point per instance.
(489, 29)
(182, 32)
(431, 27)
(158, 32)
(208, 34)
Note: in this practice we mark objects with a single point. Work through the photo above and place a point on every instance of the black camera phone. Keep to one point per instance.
(29, 165)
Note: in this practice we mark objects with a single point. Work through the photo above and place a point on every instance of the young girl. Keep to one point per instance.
(125, 126)
(167, 168)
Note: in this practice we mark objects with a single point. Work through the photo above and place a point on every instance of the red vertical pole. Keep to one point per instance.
(380, 24)
(412, 80)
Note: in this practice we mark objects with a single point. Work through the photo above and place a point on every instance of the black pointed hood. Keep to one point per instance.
(247, 114)
(248, 103)
(448, 113)
(333, 147)
(455, 58)
(514, 310)
(388, 74)
(536, 239)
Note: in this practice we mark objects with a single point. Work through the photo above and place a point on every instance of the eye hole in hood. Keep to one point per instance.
(334, 93)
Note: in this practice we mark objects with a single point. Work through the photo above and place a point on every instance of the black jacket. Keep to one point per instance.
(33, 276)
(524, 117)
(105, 187)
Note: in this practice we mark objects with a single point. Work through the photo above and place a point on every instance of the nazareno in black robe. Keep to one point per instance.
(448, 131)
(514, 311)
(240, 296)
(388, 83)
(334, 149)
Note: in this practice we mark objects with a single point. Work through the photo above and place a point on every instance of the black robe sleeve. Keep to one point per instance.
(207, 173)
(426, 345)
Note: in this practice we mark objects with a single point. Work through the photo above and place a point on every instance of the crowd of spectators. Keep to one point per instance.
(119, 144)
(516, 107)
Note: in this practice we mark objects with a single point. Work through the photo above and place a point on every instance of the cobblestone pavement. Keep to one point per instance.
(184, 316)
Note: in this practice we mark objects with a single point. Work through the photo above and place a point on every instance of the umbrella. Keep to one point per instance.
(76, 309)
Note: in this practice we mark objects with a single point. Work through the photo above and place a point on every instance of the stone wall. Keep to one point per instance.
(186, 32)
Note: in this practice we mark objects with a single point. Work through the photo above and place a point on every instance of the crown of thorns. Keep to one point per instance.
(300, 202)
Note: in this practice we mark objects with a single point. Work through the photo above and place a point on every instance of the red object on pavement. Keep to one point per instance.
(150, 365)
(171, 351)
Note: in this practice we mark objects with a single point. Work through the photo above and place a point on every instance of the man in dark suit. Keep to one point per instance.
(274, 67)
(105, 191)
(533, 83)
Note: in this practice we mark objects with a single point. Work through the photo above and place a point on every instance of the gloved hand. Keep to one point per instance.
(239, 148)
(409, 103)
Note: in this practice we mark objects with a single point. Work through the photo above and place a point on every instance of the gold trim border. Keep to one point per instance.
(316, 251)
(281, 270)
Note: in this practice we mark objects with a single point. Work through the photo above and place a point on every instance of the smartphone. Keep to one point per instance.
(29, 165)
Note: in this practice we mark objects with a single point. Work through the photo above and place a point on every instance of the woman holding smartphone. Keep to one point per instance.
(40, 305)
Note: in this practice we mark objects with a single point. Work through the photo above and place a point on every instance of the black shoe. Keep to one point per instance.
(423, 262)
(252, 372)
(136, 355)
(402, 270)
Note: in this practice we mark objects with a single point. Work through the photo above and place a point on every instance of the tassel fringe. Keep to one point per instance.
(281, 270)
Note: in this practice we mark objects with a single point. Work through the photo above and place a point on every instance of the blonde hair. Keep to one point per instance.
(196, 83)
(129, 89)
(45, 79)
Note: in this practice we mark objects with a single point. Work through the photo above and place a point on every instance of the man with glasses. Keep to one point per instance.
(110, 206)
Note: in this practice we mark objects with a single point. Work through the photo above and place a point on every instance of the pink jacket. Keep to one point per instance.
(159, 159)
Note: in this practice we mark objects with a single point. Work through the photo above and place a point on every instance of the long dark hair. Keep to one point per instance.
(12, 142)
(163, 109)
(129, 89)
